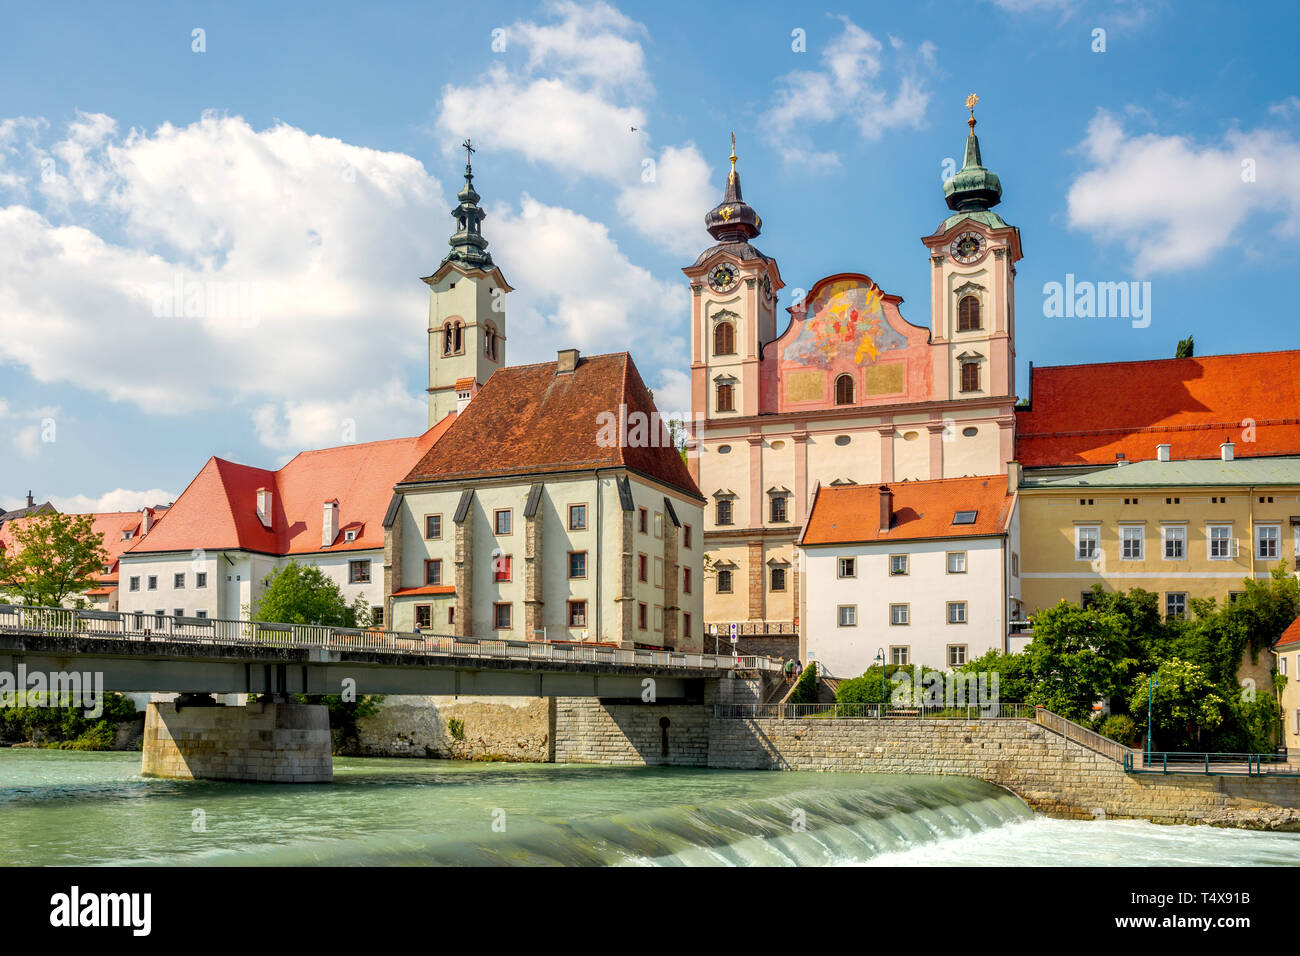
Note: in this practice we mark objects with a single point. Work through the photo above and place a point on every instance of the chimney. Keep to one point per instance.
(30, 500)
(330, 525)
(264, 506)
(566, 361)
(146, 520)
(1013, 477)
(1162, 452)
(886, 508)
(1225, 451)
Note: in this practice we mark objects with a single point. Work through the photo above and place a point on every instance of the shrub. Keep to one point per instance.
(1119, 727)
(805, 691)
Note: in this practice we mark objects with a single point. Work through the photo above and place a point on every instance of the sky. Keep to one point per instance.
(298, 164)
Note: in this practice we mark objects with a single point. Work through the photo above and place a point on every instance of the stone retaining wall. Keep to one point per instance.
(587, 731)
(490, 728)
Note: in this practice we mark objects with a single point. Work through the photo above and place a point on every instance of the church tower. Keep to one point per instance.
(467, 310)
(973, 257)
(733, 309)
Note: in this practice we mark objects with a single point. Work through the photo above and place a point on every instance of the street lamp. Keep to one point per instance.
(1152, 684)
(880, 659)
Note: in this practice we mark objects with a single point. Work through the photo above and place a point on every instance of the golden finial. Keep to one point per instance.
(970, 105)
(731, 177)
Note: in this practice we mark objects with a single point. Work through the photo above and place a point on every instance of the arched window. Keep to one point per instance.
(844, 390)
(724, 339)
(968, 314)
(490, 342)
(457, 338)
(446, 339)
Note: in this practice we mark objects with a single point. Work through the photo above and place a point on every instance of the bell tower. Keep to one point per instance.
(467, 310)
(973, 257)
(733, 308)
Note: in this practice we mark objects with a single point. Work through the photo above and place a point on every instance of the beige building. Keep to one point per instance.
(555, 507)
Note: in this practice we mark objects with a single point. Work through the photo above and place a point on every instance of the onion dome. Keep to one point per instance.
(974, 188)
(468, 247)
(733, 219)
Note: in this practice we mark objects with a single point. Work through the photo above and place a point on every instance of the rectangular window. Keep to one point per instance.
(1281, 664)
(502, 616)
(451, 616)
(970, 376)
(377, 616)
(358, 572)
(1175, 605)
(1087, 541)
(778, 510)
(1131, 542)
(659, 572)
(424, 615)
(724, 511)
(726, 398)
(153, 582)
(577, 614)
(956, 655)
(501, 520)
(642, 567)
(956, 562)
(659, 524)
(159, 612)
(1015, 565)
(201, 614)
(178, 612)
(577, 564)
(433, 571)
(1235, 596)
(686, 580)
(848, 567)
(900, 614)
(848, 615)
(956, 612)
(503, 565)
(898, 564)
(686, 535)
(641, 615)
(1220, 542)
(201, 579)
(659, 617)
(643, 521)
(1175, 542)
(900, 654)
(724, 582)
(577, 517)
(178, 582)
(686, 626)
(1268, 540)
(135, 583)
(778, 579)
(432, 527)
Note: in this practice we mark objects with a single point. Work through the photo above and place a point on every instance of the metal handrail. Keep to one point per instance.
(860, 711)
(1209, 764)
(140, 626)
(1068, 729)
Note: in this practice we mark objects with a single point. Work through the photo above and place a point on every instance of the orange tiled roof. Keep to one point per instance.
(850, 514)
(1086, 414)
(528, 419)
(109, 525)
(219, 508)
(426, 589)
(1290, 637)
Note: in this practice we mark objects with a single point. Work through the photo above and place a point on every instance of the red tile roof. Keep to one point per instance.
(529, 419)
(1290, 637)
(1085, 414)
(109, 525)
(850, 514)
(426, 589)
(219, 508)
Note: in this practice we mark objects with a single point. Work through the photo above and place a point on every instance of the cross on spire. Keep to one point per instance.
(469, 150)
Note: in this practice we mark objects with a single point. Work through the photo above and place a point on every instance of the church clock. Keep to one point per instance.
(722, 277)
(967, 247)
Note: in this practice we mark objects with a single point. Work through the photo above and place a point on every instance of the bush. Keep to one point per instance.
(805, 691)
(1120, 728)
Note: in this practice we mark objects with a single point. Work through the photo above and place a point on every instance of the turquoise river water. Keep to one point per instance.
(95, 809)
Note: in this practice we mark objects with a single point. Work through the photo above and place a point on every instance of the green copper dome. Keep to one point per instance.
(468, 247)
(974, 187)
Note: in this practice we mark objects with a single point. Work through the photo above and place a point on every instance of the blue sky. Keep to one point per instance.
(304, 164)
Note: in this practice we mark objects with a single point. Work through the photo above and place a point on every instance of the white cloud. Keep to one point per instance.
(673, 393)
(857, 80)
(670, 207)
(367, 415)
(27, 442)
(323, 240)
(1175, 203)
(119, 499)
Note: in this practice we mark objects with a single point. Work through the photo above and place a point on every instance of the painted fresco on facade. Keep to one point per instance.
(845, 321)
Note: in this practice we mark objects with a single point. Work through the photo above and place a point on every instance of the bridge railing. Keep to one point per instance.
(140, 626)
(860, 711)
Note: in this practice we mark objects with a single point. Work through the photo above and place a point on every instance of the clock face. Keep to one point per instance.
(967, 247)
(722, 277)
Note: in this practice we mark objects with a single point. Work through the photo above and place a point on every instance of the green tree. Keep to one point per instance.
(805, 691)
(55, 557)
(1185, 704)
(298, 594)
(1080, 655)
(1185, 348)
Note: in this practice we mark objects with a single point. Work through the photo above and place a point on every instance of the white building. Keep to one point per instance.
(923, 572)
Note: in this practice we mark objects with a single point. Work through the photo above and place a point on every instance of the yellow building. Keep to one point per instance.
(1182, 529)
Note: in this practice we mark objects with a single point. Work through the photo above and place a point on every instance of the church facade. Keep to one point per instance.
(848, 391)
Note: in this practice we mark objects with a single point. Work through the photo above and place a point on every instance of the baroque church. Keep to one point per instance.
(848, 392)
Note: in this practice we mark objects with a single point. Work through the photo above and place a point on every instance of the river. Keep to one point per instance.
(65, 808)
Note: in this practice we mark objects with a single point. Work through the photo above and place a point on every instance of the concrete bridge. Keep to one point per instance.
(280, 739)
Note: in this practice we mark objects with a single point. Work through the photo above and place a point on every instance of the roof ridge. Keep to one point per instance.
(1151, 361)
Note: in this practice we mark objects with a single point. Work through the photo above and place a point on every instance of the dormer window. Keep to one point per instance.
(350, 534)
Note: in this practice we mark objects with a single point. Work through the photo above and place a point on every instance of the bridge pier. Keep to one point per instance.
(279, 741)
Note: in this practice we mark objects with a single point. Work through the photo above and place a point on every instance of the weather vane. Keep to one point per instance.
(970, 105)
(731, 177)
(468, 150)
